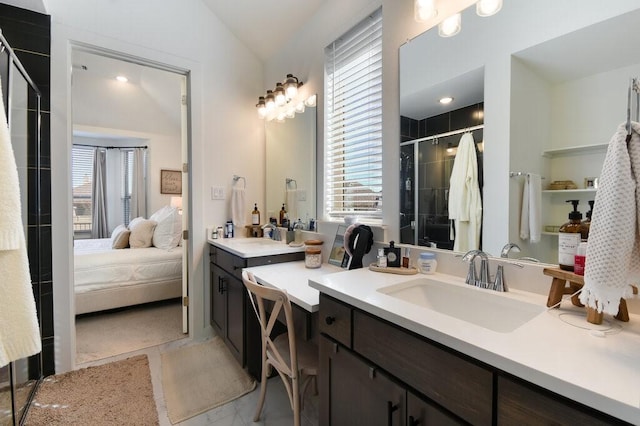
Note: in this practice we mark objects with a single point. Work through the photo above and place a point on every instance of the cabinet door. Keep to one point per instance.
(422, 413)
(355, 392)
(235, 317)
(218, 301)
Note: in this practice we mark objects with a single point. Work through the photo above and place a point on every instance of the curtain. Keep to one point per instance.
(138, 191)
(99, 227)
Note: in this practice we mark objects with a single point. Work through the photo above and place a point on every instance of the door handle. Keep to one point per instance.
(390, 410)
(413, 421)
(329, 320)
(221, 285)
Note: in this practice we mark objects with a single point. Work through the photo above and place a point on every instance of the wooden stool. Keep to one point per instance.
(566, 282)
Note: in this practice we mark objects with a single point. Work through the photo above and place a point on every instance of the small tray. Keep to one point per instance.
(393, 270)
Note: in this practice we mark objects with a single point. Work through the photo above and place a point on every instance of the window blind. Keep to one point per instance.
(82, 177)
(127, 184)
(353, 146)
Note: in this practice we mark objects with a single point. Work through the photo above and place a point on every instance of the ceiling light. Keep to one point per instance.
(423, 10)
(446, 100)
(270, 100)
(122, 79)
(488, 7)
(282, 102)
(450, 26)
(291, 86)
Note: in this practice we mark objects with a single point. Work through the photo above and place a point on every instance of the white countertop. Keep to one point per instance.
(600, 372)
(253, 247)
(294, 278)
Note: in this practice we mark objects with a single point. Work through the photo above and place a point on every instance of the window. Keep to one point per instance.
(353, 147)
(127, 176)
(82, 176)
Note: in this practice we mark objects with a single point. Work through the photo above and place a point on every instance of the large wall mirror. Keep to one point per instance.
(291, 166)
(550, 85)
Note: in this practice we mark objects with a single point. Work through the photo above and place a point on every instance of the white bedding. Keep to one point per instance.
(99, 267)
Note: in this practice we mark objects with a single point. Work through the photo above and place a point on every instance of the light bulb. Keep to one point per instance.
(300, 107)
(311, 101)
(450, 26)
(262, 108)
(488, 7)
(291, 86)
(270, 100)
(279, 92)
(424, 10)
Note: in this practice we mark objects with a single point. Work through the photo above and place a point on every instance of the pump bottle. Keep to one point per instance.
(569, 238)
(586, 224)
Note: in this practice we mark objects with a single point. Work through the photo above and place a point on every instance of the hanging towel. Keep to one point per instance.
(292, 205)
(613, 252)
(531, 213)
(238, 206)
(19, 332)
(465, 204)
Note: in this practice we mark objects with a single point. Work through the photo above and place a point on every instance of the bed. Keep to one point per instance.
(107, 278)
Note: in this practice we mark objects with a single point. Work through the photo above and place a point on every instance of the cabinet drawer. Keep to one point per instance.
(230, 262)
(460, 386)
(276, 258)
(335, 319)
(520, 404)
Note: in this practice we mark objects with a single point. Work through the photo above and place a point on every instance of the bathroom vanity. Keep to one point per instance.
(415, 350)
(232, 316)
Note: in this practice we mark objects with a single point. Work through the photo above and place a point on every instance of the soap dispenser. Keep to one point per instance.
(569, 238)
(586, 224)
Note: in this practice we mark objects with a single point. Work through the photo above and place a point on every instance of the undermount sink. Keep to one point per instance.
(484, 308)
(256, 241)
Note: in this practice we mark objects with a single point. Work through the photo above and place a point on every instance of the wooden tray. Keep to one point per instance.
(393, 270)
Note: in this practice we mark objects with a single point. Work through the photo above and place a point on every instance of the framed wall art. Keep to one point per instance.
(171, 182)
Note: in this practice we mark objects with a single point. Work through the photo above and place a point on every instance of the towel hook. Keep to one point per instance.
(290, 180)
(236, 178)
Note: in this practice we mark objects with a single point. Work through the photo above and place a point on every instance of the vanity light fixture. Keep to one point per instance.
(446, 100)
(122, 78)
(450, 26)
(284, 101)
(488, 7)
(423, 10)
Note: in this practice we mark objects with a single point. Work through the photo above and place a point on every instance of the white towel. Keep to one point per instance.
(292, 205)
(531, 213)
(238, 208)
(19, 332)
(613, 252)
(465, 205)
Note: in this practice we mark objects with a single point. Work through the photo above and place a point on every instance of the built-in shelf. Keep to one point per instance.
(581, 149)
(569, 191)
(549, 233)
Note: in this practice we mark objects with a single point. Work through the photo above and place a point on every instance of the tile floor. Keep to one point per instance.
(276, 411)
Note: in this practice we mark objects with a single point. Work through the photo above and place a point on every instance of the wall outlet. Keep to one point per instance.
(217, 193)
(302, 195)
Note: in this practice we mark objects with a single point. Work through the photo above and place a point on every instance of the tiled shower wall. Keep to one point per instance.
(434, 163)
(29, 34)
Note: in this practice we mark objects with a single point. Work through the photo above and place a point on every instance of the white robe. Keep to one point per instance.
(465, 204)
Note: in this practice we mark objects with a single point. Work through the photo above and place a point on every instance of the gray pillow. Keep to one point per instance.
(120, 237)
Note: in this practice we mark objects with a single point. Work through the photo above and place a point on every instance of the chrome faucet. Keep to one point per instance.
(483, 281)
(275, 234)
(507, 248)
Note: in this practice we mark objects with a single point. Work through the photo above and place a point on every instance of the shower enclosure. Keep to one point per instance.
(21, 98)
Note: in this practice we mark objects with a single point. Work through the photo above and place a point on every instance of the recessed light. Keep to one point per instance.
(122, 79)
(446, 100)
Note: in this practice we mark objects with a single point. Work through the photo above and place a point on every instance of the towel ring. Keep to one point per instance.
(288, 181)
(236, 178)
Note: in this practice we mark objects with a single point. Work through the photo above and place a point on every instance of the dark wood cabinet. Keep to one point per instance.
(359, 393)
(232, 316)
(369, 365)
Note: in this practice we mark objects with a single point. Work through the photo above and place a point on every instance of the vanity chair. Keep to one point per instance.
(296, 361)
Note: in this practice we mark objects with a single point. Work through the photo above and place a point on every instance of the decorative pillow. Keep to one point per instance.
(120, 237)
(141, 232)
(167, 234)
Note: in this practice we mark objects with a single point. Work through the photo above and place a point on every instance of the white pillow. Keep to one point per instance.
(120, 237)
(141, 232)
(167, 234)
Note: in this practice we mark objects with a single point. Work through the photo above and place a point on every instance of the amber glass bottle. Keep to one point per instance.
(569, 238)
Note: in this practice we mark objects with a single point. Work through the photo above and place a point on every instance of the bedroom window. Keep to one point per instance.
(128, 176)
(353, 147)
(82, 176)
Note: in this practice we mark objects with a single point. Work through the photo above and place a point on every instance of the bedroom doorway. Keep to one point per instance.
(130, 202)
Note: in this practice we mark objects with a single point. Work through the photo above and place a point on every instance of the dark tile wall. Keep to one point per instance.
(435, 161)
(29, 34)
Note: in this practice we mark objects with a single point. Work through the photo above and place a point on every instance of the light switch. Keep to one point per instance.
(217, 193)
(302, 195)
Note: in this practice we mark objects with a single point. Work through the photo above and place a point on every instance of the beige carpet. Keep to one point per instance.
(118, 393)
(198, 378)
(102, 335)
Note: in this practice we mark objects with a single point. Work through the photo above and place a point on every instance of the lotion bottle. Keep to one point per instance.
(586, 224)
(569, 238)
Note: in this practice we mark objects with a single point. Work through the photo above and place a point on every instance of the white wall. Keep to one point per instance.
(224, 80)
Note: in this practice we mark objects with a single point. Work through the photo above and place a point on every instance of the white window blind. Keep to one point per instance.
(82, 177)
(127, 183)
(353, 147)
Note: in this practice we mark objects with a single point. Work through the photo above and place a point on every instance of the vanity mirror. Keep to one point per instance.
(291, 166)
(552, 83)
